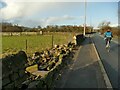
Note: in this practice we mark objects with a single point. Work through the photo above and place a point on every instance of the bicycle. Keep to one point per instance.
(108, 44)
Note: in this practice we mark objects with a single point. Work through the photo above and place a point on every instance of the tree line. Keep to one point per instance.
(9, 27)
(105, 25)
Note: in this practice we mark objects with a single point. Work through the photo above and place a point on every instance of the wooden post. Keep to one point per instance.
(26, 45)
(52, 40)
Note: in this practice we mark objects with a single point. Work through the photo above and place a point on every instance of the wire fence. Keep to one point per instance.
(33, 42)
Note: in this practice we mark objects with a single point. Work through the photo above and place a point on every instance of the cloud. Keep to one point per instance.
(57, 20)
(20, 9)
(2, 4)
(45, 21)
(67, 0)
(12, 10)
(35, 0)
(24, 13)
(114, 25)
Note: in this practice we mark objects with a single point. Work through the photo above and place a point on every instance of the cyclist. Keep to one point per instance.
(108, 35)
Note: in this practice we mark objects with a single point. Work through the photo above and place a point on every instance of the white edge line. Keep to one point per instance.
(107, 81)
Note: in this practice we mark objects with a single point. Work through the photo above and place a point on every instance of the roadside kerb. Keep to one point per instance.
(105, 76)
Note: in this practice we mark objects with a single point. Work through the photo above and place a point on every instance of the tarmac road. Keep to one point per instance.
(85, 71)
(109, 59)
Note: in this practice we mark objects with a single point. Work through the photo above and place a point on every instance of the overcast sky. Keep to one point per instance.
(58, 12)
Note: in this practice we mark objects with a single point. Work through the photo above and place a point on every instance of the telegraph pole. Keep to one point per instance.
(84, 19)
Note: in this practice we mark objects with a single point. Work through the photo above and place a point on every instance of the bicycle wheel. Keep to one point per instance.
(108, 46)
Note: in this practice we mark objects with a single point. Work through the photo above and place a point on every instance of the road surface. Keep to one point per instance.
(109, 59)
(85, 71)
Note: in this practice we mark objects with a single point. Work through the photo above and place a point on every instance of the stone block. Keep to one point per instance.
(9, 86)
(5, 81)
(21, 73)
(14, 76)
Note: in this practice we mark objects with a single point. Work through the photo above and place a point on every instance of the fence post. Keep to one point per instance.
(52, 40)
(26, 45)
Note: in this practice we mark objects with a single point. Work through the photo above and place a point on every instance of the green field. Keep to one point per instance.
(12, 44)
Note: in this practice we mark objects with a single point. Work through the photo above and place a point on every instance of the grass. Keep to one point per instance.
(13, 44)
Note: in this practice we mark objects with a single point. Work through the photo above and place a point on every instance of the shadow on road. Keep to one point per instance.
(88, 76)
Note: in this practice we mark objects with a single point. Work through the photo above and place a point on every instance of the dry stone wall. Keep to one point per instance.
(14, 74)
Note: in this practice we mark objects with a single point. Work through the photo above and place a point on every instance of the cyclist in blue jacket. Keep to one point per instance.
(108, 35)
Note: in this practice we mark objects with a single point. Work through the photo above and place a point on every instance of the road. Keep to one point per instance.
(109, 59)
(84, 71)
